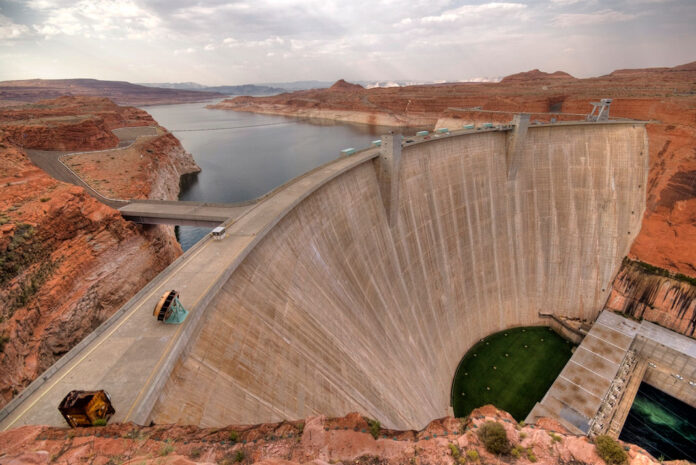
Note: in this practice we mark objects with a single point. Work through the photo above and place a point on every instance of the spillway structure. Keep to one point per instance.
(364, 290)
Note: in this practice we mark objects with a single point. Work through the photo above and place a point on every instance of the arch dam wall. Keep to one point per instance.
(338, 309)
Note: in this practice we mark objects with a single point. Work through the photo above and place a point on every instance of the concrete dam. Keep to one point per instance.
(360, 285)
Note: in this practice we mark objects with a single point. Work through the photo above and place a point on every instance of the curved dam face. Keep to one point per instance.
(338, 309)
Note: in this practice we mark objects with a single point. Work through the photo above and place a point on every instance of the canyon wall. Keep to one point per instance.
(338, 310)
(67, 262)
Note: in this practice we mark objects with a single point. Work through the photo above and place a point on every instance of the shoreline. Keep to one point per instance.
(346, 116)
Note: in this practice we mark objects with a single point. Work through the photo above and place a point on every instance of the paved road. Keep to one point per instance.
(48, 160)
(132, 354)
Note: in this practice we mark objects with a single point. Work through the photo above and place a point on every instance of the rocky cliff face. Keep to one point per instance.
(316, 440)
(67, 262)
(644, 291)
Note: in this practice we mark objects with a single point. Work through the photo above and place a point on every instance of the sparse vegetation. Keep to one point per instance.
(375, 427)
(455, 450)
(166, 449)
(610, 450)
(472, 455)
(30, 285)
(300, 429)
(494, 438)
(517, 451)
(234, 436)
(99, 422)
(523, 435)
(530, 455)
(239, 456)
(195, 454)
(656, 270)
(555, 437)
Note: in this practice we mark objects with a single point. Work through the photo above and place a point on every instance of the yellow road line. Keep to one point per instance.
(173, 340)
(103, 338)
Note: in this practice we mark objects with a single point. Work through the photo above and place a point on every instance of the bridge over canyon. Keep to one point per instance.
(359, 285)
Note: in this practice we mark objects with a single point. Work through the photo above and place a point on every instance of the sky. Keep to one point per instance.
(237, 42)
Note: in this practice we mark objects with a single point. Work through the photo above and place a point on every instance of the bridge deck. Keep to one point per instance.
(132, 354)
(182, 213)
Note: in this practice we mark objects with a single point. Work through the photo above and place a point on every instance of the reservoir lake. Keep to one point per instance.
(245, 155)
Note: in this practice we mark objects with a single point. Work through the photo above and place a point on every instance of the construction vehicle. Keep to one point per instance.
(86, 408)
(169, 309)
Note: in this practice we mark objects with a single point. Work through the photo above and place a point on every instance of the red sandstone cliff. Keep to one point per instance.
(316, 440)
(67, 262)
(665, 96)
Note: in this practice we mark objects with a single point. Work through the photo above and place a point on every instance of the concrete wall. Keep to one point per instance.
(336, 310)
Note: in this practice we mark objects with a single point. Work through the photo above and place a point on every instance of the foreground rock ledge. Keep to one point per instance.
(316, 440)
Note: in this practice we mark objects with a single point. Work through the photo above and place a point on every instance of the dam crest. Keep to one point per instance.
(360, 285)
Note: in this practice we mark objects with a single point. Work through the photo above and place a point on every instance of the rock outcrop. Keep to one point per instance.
(67, 262)
(123, 93)
(317, 440)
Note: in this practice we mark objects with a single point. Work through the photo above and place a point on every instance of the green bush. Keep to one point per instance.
(239, 456)
(515, 452)
(530, 455)
(234, 436)
(375, 427)
(555, 437)
(472, 455)
(494, 438)
(610, 450)
(99, 422)
(166, 450)
(455, 450)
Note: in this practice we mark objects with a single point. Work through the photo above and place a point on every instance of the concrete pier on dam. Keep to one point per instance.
(360, 285)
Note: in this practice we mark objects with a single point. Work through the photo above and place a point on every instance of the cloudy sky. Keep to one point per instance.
(234, 42)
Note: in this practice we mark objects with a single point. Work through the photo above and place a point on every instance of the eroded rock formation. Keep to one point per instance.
(317, 440)
(67, 262)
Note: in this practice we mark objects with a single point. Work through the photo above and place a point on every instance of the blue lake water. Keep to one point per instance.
(661, 424)
(244, 155)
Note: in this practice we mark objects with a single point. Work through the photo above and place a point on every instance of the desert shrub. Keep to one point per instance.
(610, 450)
(455, 450)
(300, 429)
(239, 456)
(166, 450)
(99, 422)
(517, 451)
(234, 436)
(195, 454)
(494, 438)
(375, 427)
(555, 437)
(472, 455)
(523, 435)
(530, 455)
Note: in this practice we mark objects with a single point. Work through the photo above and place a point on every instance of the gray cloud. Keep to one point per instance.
(227, 42)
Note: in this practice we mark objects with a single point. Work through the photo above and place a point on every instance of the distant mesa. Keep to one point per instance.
(536, 75)
(341, 84)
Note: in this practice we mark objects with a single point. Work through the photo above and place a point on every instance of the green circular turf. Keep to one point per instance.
(511, 369)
